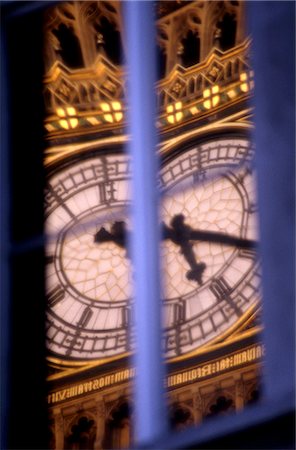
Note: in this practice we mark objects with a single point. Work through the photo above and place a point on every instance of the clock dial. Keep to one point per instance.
(99, 273)
(210, 275)
(88, 285)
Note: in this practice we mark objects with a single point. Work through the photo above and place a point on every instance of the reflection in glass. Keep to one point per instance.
(210, 296)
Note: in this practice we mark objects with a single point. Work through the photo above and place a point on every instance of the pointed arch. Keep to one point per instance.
(191, 46)
(180, 416)
(110, 40)
(81, 434)
(227, 25)
(222, 403)
(191, 86)
(70, 50)
(118, 426)
(253, 394)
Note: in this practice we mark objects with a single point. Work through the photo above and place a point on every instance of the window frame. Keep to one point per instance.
(275, 193)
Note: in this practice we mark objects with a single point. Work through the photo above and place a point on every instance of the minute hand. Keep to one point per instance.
(221, 238)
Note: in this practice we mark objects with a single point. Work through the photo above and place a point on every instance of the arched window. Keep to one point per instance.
(191, 52)
(82, 435)
(180, 417)
(253, 395)
(191, 86)
(225, 33)
(70, 50)
(222, 405)
(118, 429)
(110, 39)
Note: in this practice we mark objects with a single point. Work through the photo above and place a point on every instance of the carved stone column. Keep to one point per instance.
(173, 45)
(87, 39)
(198, 409)
(240, 23)
(59, 429)
(51, 49)
(100, 422)
(239, 395)
(206, 30)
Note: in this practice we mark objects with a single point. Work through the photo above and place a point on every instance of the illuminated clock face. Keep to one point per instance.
(210, 271)
(210, 276)
(88, 284)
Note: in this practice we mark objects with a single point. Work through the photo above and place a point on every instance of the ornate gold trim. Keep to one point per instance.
(225, 125)
(59, 153)
(79, 366)
(232, 123)
(221, 340)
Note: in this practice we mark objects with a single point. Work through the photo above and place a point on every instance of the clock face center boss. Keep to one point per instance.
(210, 276)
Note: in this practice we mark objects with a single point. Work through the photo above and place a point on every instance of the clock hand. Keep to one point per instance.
(83, 321)
(222, 238)
(179, 233)
(207, 236)
(118, 234)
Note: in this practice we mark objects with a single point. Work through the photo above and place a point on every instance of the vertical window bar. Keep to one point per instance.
(272, 28)
(149, 399)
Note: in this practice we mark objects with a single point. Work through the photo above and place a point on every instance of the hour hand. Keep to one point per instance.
(221, 238)
(103, 236)
(179, 234)
(166, 232)
(118, 234)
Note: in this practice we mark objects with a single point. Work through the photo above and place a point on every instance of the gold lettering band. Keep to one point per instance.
(248, 355)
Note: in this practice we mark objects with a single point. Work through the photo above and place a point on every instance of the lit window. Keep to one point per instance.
(232, 94)
(112, 112)
(211, 97)
(175, 113)
(247, 81)
(68, 117)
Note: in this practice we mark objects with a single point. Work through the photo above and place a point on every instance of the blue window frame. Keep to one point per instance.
(273, 27)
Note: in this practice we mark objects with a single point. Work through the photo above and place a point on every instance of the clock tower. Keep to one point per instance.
(210, 272)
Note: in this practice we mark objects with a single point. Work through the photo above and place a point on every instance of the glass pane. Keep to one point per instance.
(210, 275)
(211, 279)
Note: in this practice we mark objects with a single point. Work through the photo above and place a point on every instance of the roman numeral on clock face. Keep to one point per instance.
(126, 316)
(107, 192)
(199, 176)
(179, 312)
(249, 253)
(56, 295)
(220, 288)
(85, 317)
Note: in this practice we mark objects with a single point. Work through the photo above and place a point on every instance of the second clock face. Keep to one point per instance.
(88, 283)
(210, 277)
(210, 271)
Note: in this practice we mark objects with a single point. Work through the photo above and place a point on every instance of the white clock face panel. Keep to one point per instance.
(215, 193)
(208, 284)
(215, 205)
(100, 273)
(88, 284)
